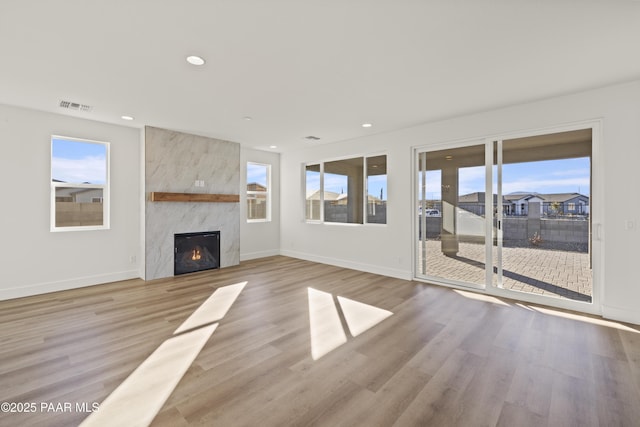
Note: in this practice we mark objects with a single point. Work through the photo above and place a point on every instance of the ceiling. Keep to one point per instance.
(303, 68)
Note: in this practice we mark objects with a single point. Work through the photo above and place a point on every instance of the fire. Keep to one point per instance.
(195, 254)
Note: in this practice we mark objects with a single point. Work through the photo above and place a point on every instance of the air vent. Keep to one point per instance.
(311, 138)
(75, 106)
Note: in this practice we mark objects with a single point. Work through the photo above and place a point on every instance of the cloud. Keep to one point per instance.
(568, 185)
(257, 173)
(582, 172)
(91, 169)
(471, 179)
(335, 183)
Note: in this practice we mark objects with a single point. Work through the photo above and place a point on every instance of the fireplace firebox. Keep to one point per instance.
(196, 252)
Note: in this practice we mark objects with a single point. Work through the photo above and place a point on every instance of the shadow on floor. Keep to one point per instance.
(530, 281)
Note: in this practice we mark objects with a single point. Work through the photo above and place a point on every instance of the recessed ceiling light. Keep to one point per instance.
(195, 60)
(126, 117)
(273, 146)
(366, 125)
(248, 118)
(448, 157)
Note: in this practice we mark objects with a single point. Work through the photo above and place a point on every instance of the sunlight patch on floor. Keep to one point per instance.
(326, 329)
(324, 323)
(140, 397)
(480, 297)
(214, 308)
(524, 306)
(360, 317)
(583, 318)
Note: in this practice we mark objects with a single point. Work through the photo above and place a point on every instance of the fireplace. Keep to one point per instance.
(196, 252)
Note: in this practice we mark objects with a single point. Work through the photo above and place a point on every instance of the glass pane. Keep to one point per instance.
(257, 191)
(312, 182)
(257, 206)
(546, 226)
(498, 214)
(344, 190)
(79, 206)
(78, 162)
(377, 190)
(452, 211)
(257, 177)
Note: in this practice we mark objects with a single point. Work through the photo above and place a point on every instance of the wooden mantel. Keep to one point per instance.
(194, 197)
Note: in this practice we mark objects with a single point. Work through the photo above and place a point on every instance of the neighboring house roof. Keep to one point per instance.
(331, 196)
(512, 197)
(254, 186)
(562, 197)
(478, 197)
(328, 195)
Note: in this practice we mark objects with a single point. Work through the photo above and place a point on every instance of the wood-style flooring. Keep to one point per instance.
(444, 358)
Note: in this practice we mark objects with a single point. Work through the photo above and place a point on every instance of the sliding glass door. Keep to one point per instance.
(544, 184)
(512, 214)
(451, 244)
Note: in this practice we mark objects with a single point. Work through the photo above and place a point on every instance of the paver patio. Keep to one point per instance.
(556, 273)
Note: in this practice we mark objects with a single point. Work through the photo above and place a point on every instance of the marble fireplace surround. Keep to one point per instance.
(174, 161)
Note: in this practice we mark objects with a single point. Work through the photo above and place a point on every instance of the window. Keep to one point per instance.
(349, 191)
(376, 190)
(258, 192)
(343, 191)
(79, 184)
(313, 197)
(571, 207)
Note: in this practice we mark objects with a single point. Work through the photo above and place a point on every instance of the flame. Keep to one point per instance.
(195, 254)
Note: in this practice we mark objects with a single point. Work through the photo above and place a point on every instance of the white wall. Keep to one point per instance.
(388, 249)
(34, 260)
(259, 239)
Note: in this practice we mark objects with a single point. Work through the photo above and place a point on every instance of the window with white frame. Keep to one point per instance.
(350, 191)
(258, 192)
(79, 184)
(313, 200)
(376, 180)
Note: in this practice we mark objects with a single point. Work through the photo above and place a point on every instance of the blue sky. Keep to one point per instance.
(551, 176)
(338, 183)
(256, 173)
(78, 162)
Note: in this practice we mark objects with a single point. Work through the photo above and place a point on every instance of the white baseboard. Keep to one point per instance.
(621, 314)
(261, 254)
(369, 268)
(63, 285)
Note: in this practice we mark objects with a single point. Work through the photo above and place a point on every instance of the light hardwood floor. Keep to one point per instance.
(442, 359)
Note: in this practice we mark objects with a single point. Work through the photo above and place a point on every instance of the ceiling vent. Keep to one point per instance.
(311, 138)
(75, 106)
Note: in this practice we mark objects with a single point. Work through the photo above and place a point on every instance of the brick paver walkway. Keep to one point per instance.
(554, 273)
